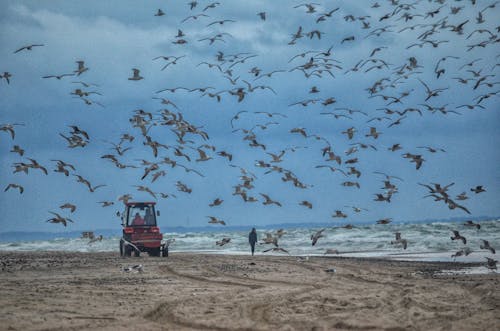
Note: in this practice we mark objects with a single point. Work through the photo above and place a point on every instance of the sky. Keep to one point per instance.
(373, 59)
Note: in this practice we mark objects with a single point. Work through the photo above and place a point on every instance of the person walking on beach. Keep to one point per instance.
(252, 239)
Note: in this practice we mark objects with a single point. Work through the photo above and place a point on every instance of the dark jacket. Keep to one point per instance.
(252, 238)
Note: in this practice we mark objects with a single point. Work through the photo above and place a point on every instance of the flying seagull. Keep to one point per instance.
(136, 75)
(28, 47)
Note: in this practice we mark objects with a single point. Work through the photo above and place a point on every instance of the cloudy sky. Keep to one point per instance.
(353, 64)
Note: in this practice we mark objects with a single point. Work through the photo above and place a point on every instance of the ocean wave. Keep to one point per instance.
(421, 238)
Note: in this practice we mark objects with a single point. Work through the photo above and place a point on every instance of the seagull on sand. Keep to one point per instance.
(136, 268)
(491, 263)
(136, 75)
(457, 236)
(315, 237)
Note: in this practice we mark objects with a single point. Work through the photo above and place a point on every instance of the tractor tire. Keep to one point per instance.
(127, 250)
(137, 253)
(154, 252)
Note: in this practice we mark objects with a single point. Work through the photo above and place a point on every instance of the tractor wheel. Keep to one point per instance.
(122, 253)
(154, 252)
(127, 250)
(137, 253)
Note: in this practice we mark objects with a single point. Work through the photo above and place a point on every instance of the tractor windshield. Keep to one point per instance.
(141, 215)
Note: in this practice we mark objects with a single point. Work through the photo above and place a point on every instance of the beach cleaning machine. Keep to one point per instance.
(140, 230)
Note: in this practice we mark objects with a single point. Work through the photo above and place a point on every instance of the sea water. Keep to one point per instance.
(426, 241)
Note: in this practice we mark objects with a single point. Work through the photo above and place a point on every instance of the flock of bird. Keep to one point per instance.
(391, 87)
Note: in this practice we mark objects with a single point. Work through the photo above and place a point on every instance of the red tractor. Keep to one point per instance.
(140, 230)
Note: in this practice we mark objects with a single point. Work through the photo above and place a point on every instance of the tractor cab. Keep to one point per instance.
(140, 230)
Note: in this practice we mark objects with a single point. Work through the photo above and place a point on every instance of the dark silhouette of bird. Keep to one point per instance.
(478, 189)
(491, 263)
(457, 236)
(384, 221)
(136, 75)
(306, 203)
(472, 224)
(159, 13)
(315, 237)
(28, 47)
(6, 75)
(486, 245)
(69, 206)
(81, 68)
(400, 240)
(59, 219)
(216, 202)
(215, 220)
(14, 186)
(223, 241)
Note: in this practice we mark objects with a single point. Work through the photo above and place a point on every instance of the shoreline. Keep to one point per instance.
(477, 257)
(72, 290)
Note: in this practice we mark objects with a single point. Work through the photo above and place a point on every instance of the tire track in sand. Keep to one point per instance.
(206, 280)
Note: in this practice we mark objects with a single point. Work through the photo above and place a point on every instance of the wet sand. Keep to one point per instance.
(83, 291)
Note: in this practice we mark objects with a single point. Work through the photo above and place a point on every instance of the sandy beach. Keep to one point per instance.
(82, 291)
